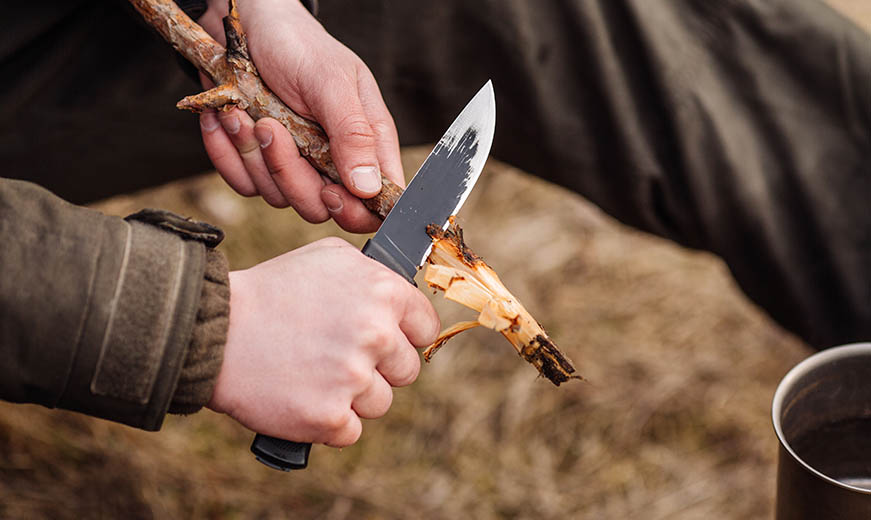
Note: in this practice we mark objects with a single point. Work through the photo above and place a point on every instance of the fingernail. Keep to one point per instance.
(366, 179)
(263, 134)
(209, 122)
(231, 124)
(332, 201)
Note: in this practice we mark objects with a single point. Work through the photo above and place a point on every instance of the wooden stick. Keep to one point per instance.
(238, 84)
(455, 269)
(467, 279)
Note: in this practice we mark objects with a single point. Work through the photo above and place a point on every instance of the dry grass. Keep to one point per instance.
(673, 423)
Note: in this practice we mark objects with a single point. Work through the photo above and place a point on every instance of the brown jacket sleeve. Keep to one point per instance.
(96, 313)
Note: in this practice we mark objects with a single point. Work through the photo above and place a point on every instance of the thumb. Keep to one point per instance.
(352, 142)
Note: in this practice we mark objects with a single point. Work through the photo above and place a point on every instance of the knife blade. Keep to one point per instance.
(439, 188)
(437, 192)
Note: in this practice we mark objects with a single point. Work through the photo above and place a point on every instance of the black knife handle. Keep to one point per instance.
(289, 455)
(279, 453)
(389, 255)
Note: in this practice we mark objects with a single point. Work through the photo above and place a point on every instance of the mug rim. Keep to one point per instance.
(797, 372)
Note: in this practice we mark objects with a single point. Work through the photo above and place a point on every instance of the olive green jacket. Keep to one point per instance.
(123, 319)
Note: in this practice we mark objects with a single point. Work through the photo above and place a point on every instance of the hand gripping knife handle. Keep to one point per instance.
(289, 455)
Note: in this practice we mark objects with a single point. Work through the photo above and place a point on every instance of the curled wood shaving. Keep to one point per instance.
(466, 279)
(447, 334)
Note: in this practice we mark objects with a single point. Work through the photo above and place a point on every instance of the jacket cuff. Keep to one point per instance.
(206, 349)
(134, 337)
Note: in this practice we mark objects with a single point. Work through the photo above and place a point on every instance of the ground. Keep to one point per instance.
(672, 421)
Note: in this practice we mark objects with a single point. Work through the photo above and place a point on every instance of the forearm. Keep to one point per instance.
(97, 312)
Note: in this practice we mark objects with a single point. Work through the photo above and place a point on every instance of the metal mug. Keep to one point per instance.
(822, 417)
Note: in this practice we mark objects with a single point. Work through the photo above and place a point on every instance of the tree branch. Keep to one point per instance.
(238, 84)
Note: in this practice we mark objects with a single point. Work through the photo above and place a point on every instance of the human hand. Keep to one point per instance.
(317, 338)
(320, 79)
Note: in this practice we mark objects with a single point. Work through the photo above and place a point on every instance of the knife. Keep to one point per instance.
(437, 192)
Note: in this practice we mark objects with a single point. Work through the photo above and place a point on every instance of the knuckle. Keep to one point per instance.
(278, 202)
(355, 130)
(273, 196)
(224, 157)
(276, 166)
(246, 191)
(409, 375)
(306, 208)
(361, 70)
(358, 376)
(384, 405)
(435, 326)
(382, 127)
(248, 148)
(310, 216)
(376, 338)
(398, 300)
(348, 436)
(334, 422)
(385, 286)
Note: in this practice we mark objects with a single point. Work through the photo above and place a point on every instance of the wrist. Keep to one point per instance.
(220, 396)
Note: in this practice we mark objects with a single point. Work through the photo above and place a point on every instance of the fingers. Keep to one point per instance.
(401, 368)
(343, 432)
(240, 129)
(352, 144)
(341, 202)
(345, 428)
(263, 159)
(347, 210)
(228, 137)
(420, 323)
(294, 177)
(375, 400)
(386, 137)
(224, 155)
(318, 388)
(364, 145)
(363, 140)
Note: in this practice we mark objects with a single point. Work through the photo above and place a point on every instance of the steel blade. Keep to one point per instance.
(442, 184)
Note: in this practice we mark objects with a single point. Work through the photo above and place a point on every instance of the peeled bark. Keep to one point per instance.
(453, 267)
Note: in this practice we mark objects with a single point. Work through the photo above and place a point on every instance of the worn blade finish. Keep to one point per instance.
(443, 182)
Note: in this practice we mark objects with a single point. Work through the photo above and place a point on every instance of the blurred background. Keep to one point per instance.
(672, 420)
